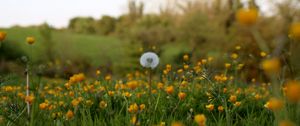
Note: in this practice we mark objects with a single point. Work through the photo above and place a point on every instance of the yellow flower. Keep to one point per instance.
(234, 56)
(162, 124)
(168, 67)
(295, 30)
(263, 54)
(240, 66)
(169, 89)
(160, 85)
(257, 96)
(75, 102)
(69, 115)
(204, 61)
(200, 119)
(286, 123)
(227, 65)
(274, 104)
(238, 47)
(43, 106)
(132, 84)
(210, 107)
(30, 40)
(179, 71)
(133, 120)
(98, 72)
(247, 16)
(133, 108)
(186, 57)
(237, 104)
(271, 66)
(184, 83)
(292, 91)
(29, 99)
(176, 124)
(111, 93)
(181, 95)
(108, 77)
(89, 102)
(142, 107)
(102, 104)
(185, 67)
(77, 78)
(2, 36)
(221, 108)
(232, 98)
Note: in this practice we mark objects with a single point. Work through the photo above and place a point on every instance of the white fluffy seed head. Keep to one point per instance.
(149, 60)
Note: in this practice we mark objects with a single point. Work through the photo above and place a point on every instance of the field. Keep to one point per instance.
(178, 95)
(193, 63)
(69, 45)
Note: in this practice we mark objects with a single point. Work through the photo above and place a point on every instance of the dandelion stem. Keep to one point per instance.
(150, 83)
(27, 91)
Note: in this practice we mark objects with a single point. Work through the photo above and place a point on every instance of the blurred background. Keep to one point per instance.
(82, 36)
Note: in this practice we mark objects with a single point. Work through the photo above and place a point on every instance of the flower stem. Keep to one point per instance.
(27, 91)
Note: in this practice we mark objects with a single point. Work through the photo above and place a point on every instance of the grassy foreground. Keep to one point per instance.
(179, 95)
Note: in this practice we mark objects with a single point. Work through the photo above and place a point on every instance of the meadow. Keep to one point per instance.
(224, 64)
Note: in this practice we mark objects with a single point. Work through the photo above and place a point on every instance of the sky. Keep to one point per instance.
(58, 12)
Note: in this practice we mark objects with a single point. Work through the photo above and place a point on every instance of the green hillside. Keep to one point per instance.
(98, 49)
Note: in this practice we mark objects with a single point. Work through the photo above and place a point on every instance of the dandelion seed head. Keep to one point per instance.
(149, 60)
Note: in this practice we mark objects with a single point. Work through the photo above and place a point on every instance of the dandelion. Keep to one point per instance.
(176, 123)
(69, 115)
(132, 84)
(29, 99)
(286, 123)
(160, 85)
(257, 96)
(234, 56)
(142, 107)
(43, 106)
(149, 60)
(162, 124)
(2, 36)
(227, 65)
(295, 30)
(169, 90)
(271, 66)
(133, 120)
(181, 95)
(89, 102)
(75, 102)
(98, 72)
(237, 47)
(237, 104)
(247, 16)
(186, 57)
(200, 119)
(232, 98)
(30, 40)
(102, 104)
(168, 67)
(111, 93)
(185, 67)
(274, 104)
(292, 91)
(220, 108)
(133, 108)
(263, 54)
(107, 77)
(210, 107)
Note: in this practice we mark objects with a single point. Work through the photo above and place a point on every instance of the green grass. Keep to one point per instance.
(95, 48)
